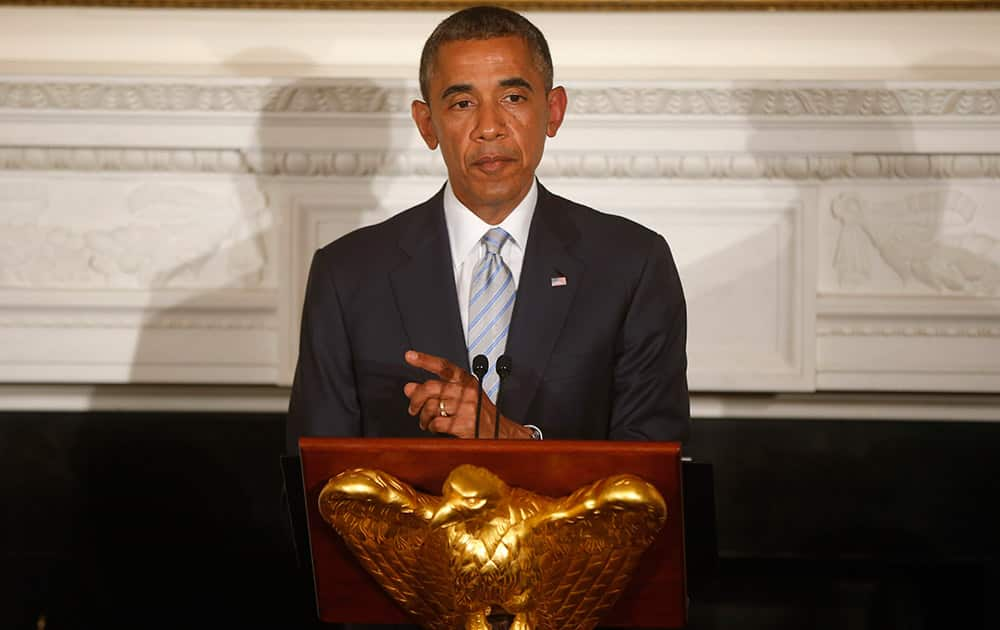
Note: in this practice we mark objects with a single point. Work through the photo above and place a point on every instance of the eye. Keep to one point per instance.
(463, 104)
(516, 98)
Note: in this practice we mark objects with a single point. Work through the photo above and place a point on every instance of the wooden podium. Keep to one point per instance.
(345, 593)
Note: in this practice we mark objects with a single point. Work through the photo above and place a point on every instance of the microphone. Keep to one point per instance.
(480, 366)
(503, 371)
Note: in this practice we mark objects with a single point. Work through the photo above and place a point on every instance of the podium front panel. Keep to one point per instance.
(656, 595)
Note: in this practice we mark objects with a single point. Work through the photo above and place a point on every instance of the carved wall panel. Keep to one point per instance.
(139, 277)
(141, 231)
(910, 285)
(743, 256)
(922, 239)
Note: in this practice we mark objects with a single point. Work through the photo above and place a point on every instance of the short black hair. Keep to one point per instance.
(485, 22)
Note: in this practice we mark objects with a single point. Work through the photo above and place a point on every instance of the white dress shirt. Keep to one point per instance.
(465, 233)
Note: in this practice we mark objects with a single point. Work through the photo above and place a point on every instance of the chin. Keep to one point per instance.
(500, 194)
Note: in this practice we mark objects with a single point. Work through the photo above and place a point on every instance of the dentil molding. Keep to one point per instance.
(907, 330)
(763, 101)
(340, 97)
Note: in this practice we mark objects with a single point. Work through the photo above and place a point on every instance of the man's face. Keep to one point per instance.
(488, 110)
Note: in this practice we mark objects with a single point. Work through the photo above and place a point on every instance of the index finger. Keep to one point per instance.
(439, 366)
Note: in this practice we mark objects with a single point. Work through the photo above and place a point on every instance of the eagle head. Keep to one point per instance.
(467, 492)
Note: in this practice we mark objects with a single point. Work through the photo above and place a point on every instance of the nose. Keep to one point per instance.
(491, 124)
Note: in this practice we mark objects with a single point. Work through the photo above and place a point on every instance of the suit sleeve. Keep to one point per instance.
(324, 397)
(650, 380)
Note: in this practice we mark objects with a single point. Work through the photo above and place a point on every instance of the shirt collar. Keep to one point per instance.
(465, 228)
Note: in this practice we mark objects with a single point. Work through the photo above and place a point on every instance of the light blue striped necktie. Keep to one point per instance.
(491, 301)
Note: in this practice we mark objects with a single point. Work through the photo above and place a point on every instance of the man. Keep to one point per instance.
(587, 306)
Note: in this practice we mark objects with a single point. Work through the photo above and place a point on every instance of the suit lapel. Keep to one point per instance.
(541, 308)
(424, 286)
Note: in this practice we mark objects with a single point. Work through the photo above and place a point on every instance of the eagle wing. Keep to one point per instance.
(385, 523)
(589, 543)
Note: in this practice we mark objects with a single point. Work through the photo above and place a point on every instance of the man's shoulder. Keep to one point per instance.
(605, 230)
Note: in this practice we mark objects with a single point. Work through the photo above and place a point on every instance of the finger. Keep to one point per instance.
(431, 409)
(429, 413)
(439, 366)
(421, 393)
(460, 425)
(459, 398)
(441, 424)
(456, 402)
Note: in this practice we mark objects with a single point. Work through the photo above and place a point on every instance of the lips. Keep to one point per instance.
(492, 162)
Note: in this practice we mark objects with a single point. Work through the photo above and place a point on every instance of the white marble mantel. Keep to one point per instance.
(830, 235)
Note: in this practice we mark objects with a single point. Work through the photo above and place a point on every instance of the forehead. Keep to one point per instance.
(476, 60)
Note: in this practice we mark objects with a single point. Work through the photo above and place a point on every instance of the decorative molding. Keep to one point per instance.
(138, 322)
(345, 97)
(308, 97)
(910, 307)
(908, 330)
(346, 163)
(101, 159)
(790, 102)
(567, 164)
(789, 166)
(174, 398)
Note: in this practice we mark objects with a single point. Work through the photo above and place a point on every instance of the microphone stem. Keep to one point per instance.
(503, 371)
(479, 406)
(480, 366)
(496, 422)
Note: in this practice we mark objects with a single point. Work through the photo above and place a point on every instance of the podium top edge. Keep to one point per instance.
(435, 445)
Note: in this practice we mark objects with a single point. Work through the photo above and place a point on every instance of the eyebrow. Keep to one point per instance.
(517, 82)
(458, 88)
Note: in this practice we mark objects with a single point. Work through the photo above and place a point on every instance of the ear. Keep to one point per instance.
(421, 113)
(557, 110)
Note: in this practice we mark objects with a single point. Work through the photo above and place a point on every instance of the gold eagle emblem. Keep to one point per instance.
(484, 548)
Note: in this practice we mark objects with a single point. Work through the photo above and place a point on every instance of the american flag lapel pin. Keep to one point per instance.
(558, 281)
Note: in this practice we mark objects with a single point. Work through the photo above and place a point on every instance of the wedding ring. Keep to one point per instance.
(441, 410)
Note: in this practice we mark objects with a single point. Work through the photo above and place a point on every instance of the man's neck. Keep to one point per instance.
(493, 214)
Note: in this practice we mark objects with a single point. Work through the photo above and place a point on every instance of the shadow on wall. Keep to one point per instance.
(179, 516)
(223, 281)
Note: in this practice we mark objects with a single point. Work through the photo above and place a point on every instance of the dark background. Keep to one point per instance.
(150, 520)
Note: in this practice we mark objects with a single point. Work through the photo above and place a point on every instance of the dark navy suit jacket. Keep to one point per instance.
(601, 357)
